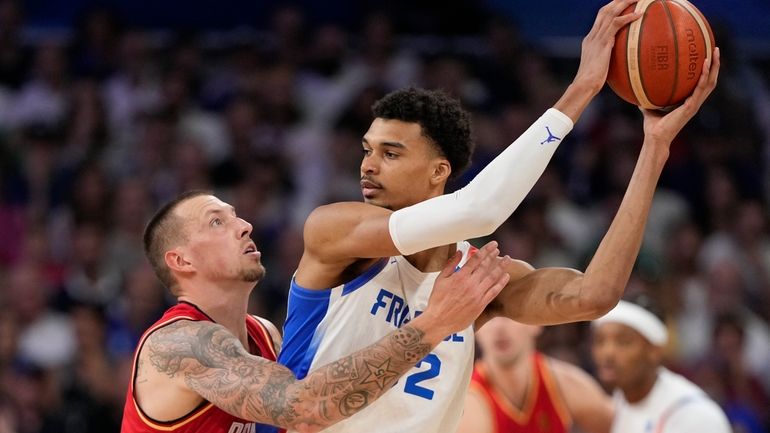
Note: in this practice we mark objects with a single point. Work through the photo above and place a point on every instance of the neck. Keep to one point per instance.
(227, 308)
(432, 260)
(636, 392)
(513, 380)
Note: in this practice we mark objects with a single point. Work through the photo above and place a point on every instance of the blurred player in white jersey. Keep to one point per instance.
(627, 348)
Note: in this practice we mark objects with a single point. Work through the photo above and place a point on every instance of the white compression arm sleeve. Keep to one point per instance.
(489, 199)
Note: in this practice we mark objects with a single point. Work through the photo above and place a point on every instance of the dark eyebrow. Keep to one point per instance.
(395, 144)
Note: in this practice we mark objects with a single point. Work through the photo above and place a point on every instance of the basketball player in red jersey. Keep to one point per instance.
(208, 366)
(516, 389)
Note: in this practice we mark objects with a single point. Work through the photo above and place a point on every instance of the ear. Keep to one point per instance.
(441, 172)
(176, 261)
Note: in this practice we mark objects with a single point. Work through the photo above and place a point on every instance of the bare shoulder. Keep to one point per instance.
(572, 378)
(326, 217)
(477, 414)
(589, 405)
(337, 235)
(204, 360)
(176, 359)
(567, 373)
(185, 345)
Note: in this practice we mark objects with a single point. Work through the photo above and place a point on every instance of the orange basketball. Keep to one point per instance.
(657, 60)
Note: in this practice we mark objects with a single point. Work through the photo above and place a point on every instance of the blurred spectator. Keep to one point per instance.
(287, 37)
(44, 98)
(725, 292)
(388, 65)
(88, 131)
(745, 242)
(88, 197)
(723, 372)
(46, 337)
(451, 74)
(141, 303)
(132, 207)
(132, 89)
(13, 57)
(93, 51)
(33, 177)
(92, 396)
(92, 277)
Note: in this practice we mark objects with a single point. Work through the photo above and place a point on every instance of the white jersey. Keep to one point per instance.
(325, 325)
(674, 405)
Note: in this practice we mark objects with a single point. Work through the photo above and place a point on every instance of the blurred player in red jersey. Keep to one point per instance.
(516, 389)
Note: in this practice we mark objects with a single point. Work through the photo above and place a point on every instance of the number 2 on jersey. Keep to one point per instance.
(412, 380)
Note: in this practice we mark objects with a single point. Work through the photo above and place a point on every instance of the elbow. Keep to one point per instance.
(604, 305)
(600, 302)
(484, 221)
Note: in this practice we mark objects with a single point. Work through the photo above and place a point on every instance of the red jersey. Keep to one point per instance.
(544, 410)
(206, 417)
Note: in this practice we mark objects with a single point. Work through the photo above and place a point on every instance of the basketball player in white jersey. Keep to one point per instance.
(367, 268)
(627, 348)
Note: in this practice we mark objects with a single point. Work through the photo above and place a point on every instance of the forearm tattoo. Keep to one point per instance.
(213, 363)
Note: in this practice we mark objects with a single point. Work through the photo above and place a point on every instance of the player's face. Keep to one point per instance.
(399, 165)
(624, 358)
(504, 341)
(219, 244)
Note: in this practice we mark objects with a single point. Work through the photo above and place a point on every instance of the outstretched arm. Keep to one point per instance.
(205, 358)
(212, 363)
(339, 233)
(557, 295)
(595, 58)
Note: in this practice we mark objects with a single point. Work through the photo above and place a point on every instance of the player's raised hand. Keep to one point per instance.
(459, 296)
(661, 128)
(597, 45)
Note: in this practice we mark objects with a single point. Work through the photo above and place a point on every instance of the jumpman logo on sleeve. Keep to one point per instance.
(550, 138)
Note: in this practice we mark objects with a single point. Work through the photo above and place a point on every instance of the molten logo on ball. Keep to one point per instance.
(692, 47)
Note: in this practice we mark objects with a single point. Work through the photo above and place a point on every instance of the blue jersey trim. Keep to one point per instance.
(306, 309)
(305, 312)
(364, 278)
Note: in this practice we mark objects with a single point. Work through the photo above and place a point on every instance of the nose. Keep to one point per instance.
(370, 164)
(245, 230)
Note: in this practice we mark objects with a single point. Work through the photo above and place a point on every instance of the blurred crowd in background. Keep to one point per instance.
(99, 129)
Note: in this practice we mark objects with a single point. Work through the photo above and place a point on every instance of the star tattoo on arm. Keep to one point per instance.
(379, 374)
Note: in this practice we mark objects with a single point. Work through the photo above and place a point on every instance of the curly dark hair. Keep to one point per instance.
(441, 117)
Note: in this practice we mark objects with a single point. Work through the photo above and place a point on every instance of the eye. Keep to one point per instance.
(216, 222)
(366, 151)
(391, 155)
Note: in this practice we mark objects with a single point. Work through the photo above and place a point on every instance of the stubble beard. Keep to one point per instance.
(253, 275)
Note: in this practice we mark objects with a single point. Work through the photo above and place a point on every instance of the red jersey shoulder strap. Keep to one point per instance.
(551, 386)
(262, 337)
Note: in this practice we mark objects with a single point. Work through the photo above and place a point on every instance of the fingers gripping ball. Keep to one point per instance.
(657, 59)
